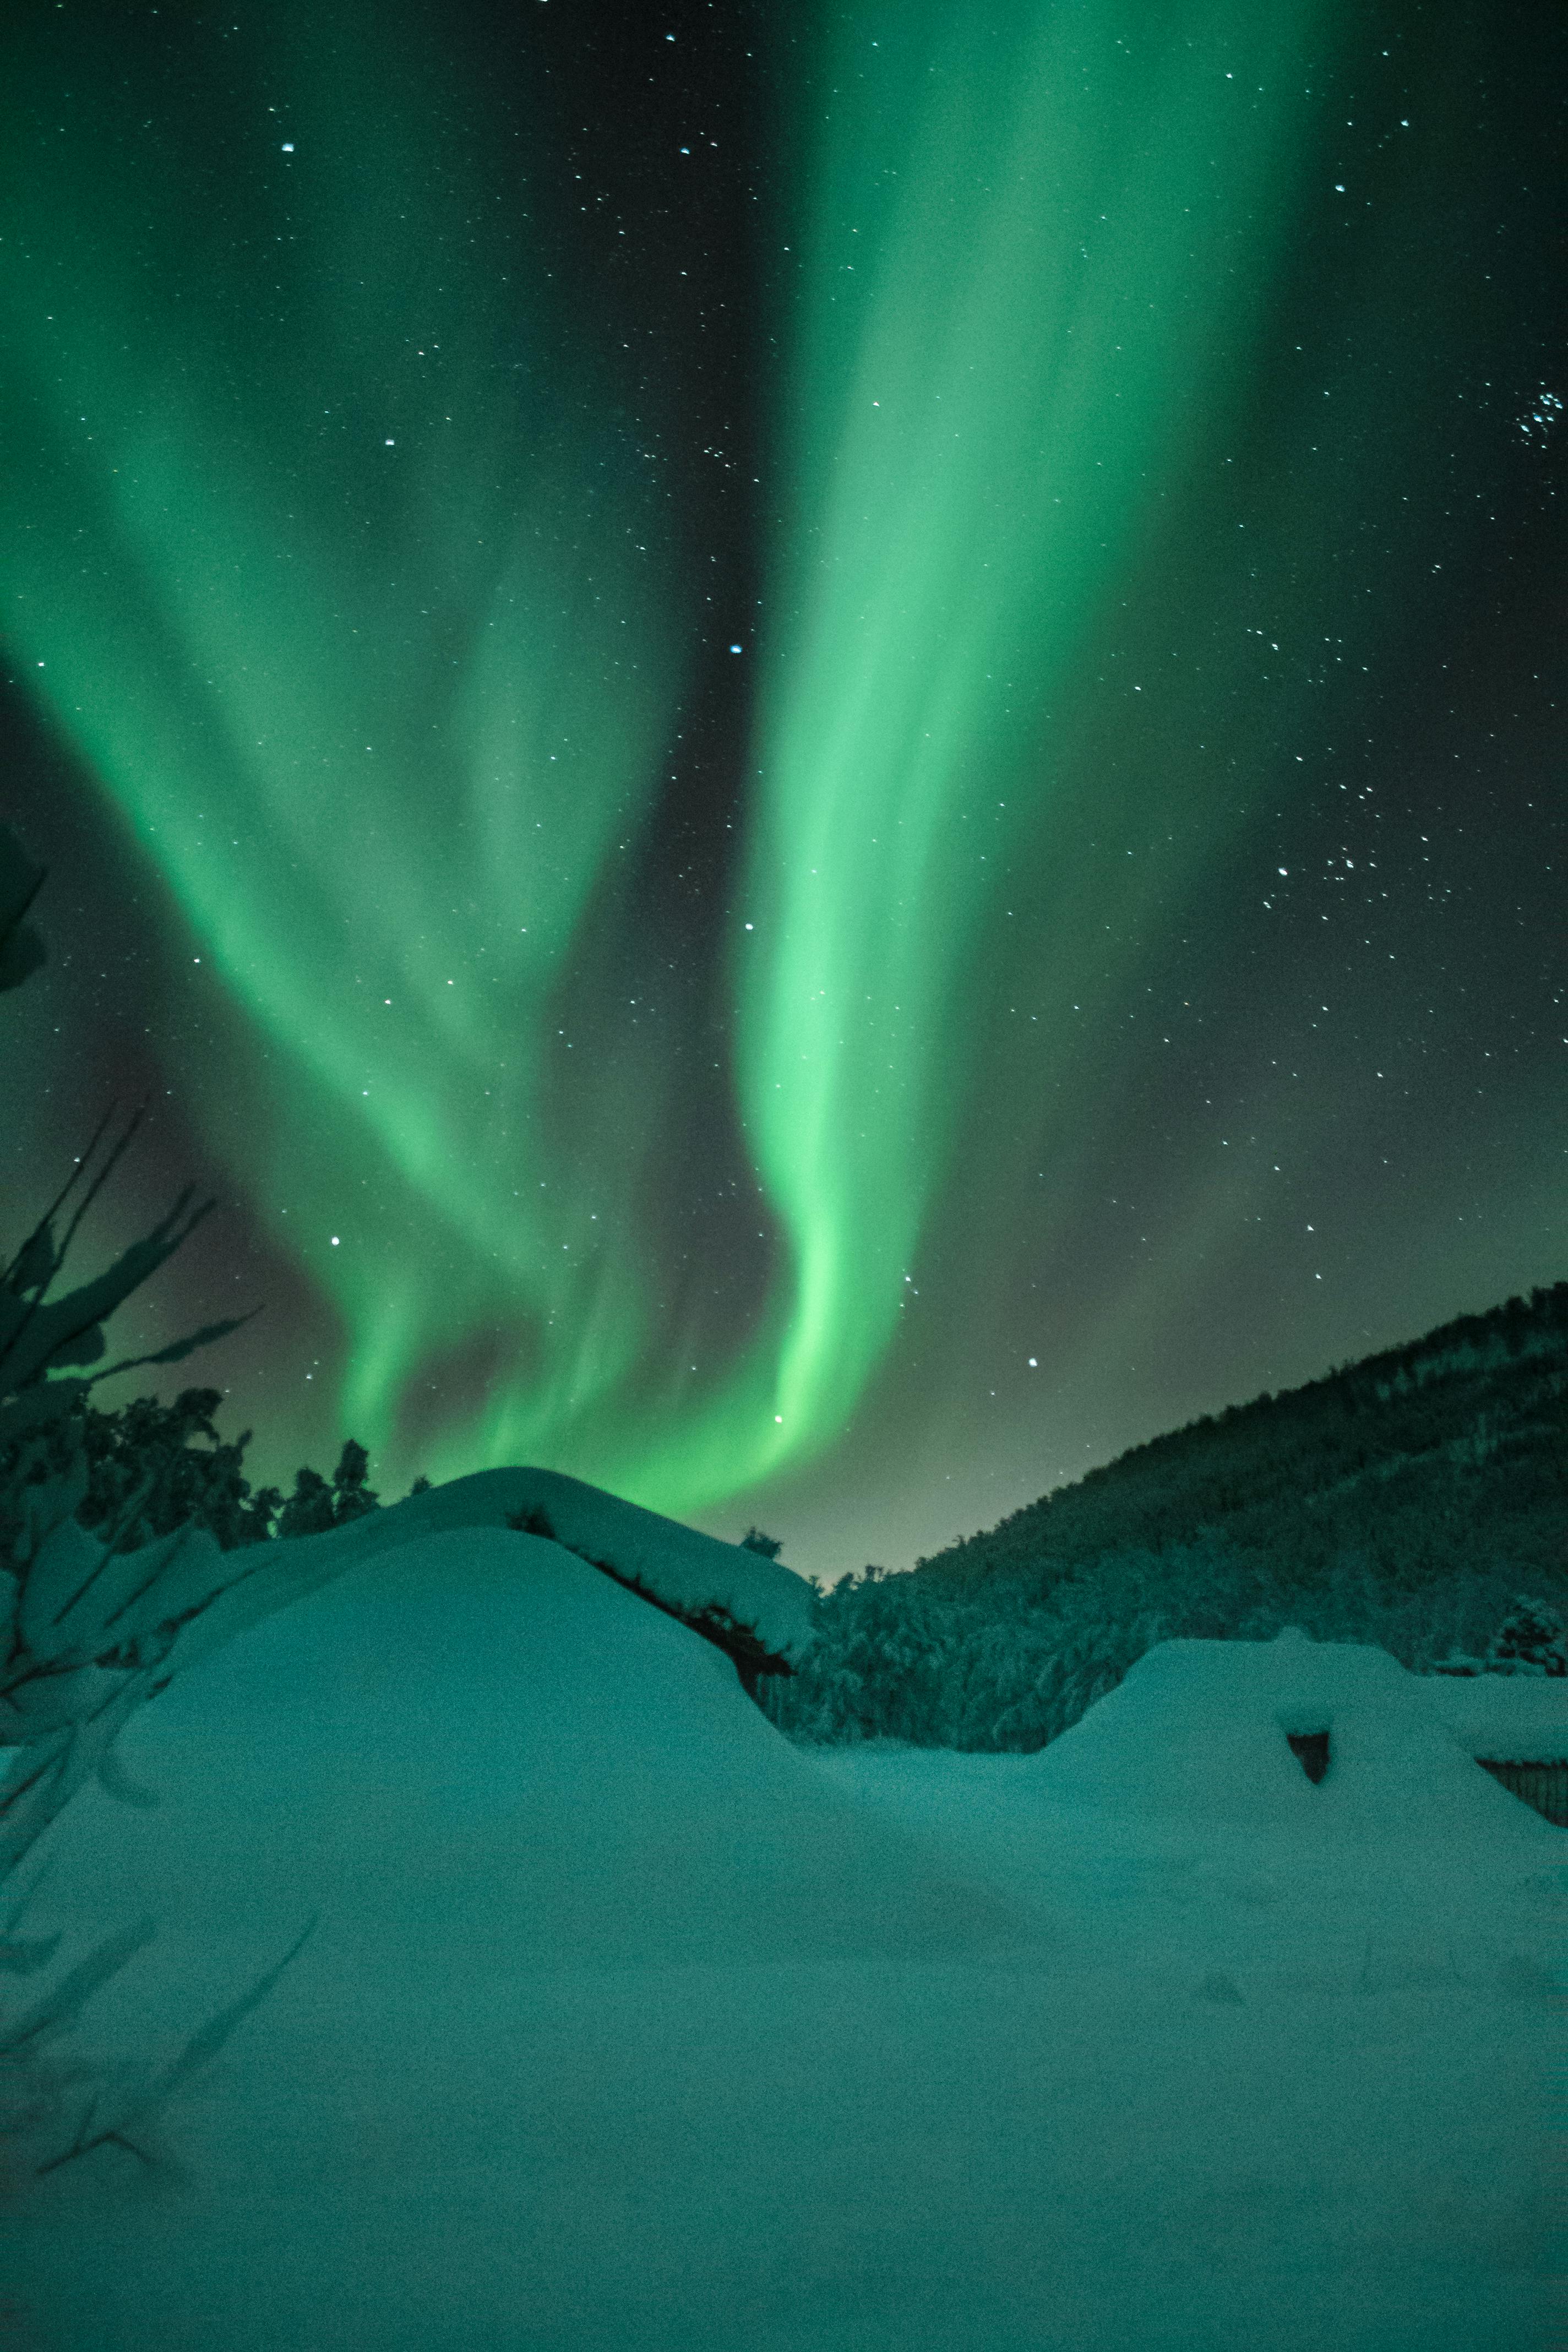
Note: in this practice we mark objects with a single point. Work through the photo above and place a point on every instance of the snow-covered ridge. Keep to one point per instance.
(692, 1574)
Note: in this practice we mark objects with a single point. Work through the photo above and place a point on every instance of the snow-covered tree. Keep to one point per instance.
(1531, 1639)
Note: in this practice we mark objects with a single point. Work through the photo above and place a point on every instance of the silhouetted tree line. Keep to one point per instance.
(192, 1475)
(152, 1468)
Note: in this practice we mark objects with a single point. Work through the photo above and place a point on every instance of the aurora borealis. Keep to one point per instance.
(817, 752)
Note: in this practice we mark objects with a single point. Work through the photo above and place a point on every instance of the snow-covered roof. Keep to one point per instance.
(1507, 1718)
(689, 1572)
(1201, 1730)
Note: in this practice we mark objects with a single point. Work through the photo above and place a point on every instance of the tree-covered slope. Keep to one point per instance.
(1413, 1457)
(1408, 1499)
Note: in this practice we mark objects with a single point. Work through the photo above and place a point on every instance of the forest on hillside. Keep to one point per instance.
(1414, 1499)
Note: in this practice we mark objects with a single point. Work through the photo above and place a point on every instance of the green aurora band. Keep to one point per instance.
(382, 689)
(1022, 235)
(333, 571)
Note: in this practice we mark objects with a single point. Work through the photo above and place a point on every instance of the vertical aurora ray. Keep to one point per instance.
(1026, 243)
(332, 572)
(383, 597)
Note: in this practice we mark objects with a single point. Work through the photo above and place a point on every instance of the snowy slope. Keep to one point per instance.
(626, 2027)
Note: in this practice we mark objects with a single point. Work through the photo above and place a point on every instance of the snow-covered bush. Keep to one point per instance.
(1531, 1639)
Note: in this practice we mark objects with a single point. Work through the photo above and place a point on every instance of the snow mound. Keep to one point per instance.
(1201, 1730)
(474, 1753)
(689, 1572)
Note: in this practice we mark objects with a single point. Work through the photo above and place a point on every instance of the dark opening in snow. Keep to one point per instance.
(1311, 1749)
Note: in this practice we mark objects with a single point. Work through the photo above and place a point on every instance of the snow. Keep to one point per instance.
(1197, 1731)
(1511, 1719)
(627, 2024)
(689, 1571)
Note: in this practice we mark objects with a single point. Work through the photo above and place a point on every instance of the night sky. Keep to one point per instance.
(817, 752)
